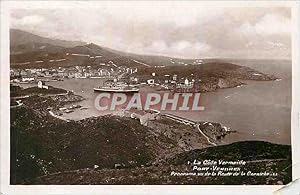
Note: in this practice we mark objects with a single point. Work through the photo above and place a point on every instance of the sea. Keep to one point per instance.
(259, 110)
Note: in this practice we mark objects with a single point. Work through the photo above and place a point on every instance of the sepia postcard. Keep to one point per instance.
(150, 97)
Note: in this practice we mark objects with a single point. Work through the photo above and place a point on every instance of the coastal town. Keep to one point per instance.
(59, 73)
(128, 75)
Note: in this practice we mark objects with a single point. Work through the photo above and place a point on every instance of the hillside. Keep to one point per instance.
(19, 37)
(261, 157)
(45, 145)
(117, 150)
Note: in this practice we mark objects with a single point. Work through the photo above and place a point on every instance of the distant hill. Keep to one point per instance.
(27, 48)
(37, 55)
(157, 60)
(34, 47)
(19, 37)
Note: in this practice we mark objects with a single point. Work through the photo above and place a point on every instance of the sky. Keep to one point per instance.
(184, 30)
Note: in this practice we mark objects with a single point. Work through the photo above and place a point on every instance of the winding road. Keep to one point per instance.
(208, 140)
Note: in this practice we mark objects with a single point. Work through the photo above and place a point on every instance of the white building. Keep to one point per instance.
(150, 81)
(186, 82)
(41, 85)
(27, 79)
(174, 77)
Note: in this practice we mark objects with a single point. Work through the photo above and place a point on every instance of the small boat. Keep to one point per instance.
(68, 111)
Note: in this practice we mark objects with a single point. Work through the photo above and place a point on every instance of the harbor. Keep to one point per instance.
(241, 108)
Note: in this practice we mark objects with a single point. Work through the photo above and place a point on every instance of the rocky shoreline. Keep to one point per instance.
(214, 75)
(43, 100)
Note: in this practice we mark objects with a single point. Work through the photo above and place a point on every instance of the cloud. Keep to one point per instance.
(157, 46)
(31, 20)
(269, 24)
(176, 29)
(180, 48)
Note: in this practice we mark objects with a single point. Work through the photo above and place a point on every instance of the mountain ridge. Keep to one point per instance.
(28, 47)
(18, 37)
